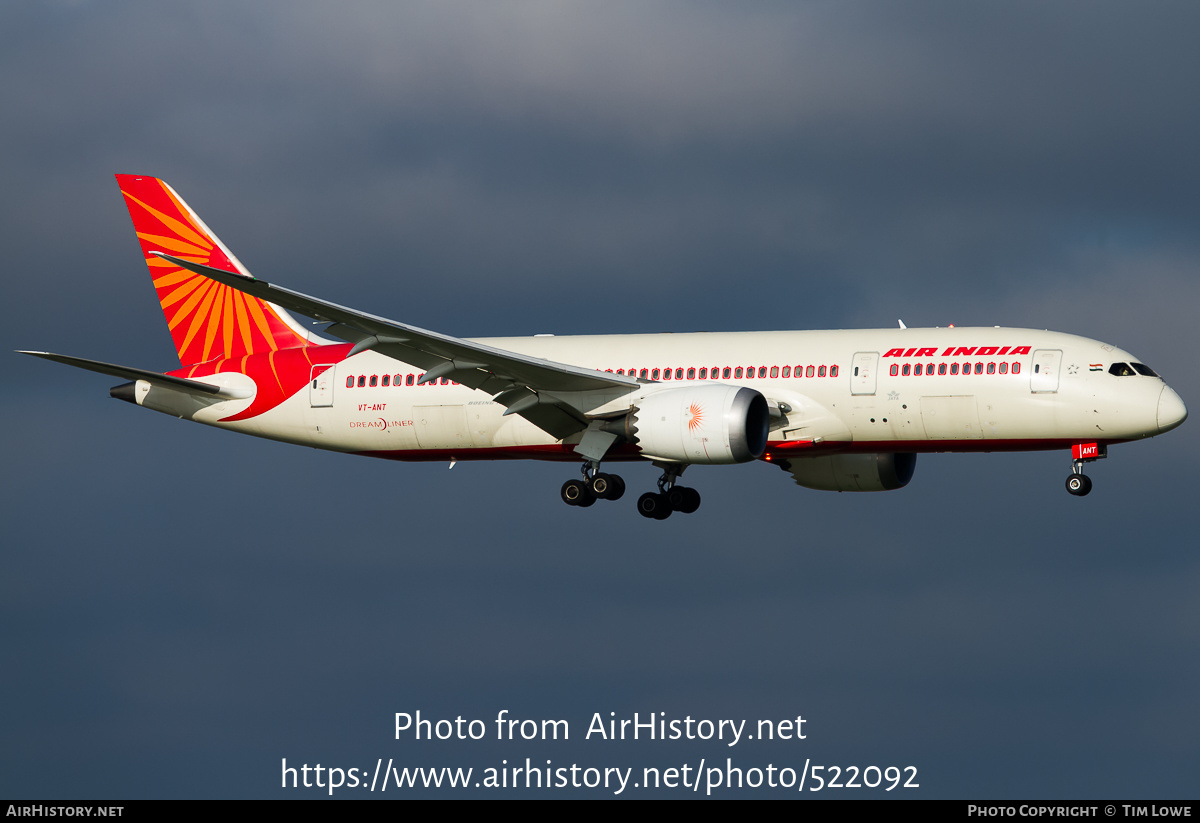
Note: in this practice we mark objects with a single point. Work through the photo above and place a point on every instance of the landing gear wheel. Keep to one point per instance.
(618, 488)
(654, 506)
(576, 493)
(607, 486)
(1079, 484)
(683, 499)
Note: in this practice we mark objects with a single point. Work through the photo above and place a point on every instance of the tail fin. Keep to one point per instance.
(207, 320)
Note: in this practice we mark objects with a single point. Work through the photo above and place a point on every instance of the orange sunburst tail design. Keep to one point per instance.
(208, 320)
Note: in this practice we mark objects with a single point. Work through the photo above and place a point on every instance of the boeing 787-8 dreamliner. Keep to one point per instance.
(839, 410)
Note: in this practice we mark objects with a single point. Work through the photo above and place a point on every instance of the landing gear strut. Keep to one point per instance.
(594, 486)
(1079, 483)
(669, 497)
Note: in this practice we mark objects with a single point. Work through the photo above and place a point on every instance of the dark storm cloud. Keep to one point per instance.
(182, 603)
(848, 152)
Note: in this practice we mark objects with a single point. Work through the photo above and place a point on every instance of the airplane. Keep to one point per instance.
(845, 410)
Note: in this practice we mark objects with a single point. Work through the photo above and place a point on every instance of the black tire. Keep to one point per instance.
(618, 490)
(691, 501)
(683, 499)
(676, 495)
(602, 486)
(654, 506)
(1079, 484)
(575, 493)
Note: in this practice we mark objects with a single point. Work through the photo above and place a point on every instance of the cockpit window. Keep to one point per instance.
(1121, 370)
(1142, 368)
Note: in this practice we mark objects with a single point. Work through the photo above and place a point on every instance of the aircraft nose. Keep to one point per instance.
(1171, 411)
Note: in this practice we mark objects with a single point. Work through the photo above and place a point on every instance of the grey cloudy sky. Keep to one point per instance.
(180, 608)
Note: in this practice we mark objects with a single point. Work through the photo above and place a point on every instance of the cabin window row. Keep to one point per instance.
(373, 380)
(730, 372)
(952, 368)
(677, 373)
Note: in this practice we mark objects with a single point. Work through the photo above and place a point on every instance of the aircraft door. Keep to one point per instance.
(1046, 365)
(862, 372)
(320, 386)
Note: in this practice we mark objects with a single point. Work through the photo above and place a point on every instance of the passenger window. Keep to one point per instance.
(799, 371)
(445, 381)
(906, 370)
(1004, 368)
(762, 371)
(704, 373)
(737, 373)
(979, 368)
(787, 371)
(692, 374)
(810, 371)
(387, 380)
(821, 371)
(954, 368)
(1016, 368)
(349, 382)
(774, 371)
(362, 380)
(917, 370)
(644, 377)
(991, 368)
(894, 370)
(941, 368)
(833, 371)
(408, 381)
(654, 374)
(666, 374)
(929, 369)
(725, 374)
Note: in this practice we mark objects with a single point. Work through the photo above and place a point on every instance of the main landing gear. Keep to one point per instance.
(594, 486)
(597, 485)
(1079, 483)
(669, 497)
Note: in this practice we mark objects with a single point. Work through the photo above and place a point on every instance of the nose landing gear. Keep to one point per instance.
(1079, 483)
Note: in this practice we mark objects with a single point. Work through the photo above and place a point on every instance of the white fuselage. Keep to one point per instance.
(898, 390)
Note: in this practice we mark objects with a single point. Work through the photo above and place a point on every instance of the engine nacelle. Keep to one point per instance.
(713, 423)
(854, 472)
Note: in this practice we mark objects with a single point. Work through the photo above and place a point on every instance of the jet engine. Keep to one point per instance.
(854, 472)
(713, 423)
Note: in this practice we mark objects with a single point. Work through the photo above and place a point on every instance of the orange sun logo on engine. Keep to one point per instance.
(697, 416)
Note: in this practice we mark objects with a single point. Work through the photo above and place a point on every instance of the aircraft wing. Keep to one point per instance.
(517, 381)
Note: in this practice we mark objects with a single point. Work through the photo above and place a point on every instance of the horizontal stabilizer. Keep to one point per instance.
(152, 377)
